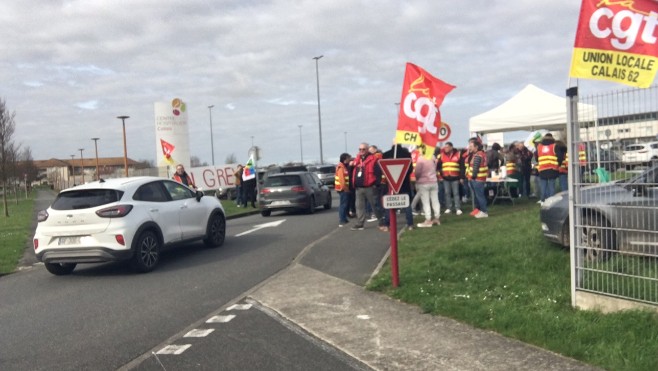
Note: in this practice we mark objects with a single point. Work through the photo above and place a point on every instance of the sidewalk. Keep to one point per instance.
(389, 335)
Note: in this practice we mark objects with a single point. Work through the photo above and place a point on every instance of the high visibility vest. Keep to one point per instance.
(564, 167)
(546, 159)
(582, 154)
(190, 183)
(342, 178)
(510, 167)
(483, 171)
(450, 164)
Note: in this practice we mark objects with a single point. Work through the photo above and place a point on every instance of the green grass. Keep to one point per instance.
(231, 209)
(500, 274)
(15, 231)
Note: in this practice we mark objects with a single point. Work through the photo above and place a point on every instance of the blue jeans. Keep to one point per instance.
(343, 206)
(451, 188)
(478, 195)
(238, 198)
(564, 182)
(546, 188)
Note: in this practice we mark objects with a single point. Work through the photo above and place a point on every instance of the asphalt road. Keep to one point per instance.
(104, 317)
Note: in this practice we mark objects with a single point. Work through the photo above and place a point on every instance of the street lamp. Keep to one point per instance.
(301, 150)
(252, 140)
(125, 148)
(82, 165)
(96, 148)
(72, 170)
(345, 142)
(317, 79)
(212, 146)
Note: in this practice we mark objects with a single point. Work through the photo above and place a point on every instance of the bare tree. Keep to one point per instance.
(7, 149)
(231, 159)
(196, 162)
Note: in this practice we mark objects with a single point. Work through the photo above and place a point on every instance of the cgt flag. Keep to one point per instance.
(167, 150)
(616, 41)
(419, 120)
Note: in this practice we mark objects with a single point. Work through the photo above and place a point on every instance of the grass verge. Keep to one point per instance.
(15, 231)
(500, 274)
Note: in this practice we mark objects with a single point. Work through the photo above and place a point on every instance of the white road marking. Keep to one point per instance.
(198, 333)
(220, 319)
(363, 316)
(174, 349)
(275, 223)
(239, 307)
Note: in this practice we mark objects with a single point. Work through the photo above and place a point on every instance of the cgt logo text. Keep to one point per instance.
(625, 26)
(423, 110)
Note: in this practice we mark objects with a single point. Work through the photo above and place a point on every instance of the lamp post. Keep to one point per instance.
(72, 170)
(252, 140)
(345, 141)
(317, 79)
(125, 148)
(96, 148)
(301, 150)
(82, 165)
(212, 146)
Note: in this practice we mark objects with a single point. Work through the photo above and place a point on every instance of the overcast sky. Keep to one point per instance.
(68, 68)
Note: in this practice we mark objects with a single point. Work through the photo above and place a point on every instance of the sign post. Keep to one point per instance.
(395, 169)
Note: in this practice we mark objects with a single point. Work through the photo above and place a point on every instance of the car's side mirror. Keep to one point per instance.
(199, 194)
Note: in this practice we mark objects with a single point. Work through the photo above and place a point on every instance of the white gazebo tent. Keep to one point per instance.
(530, 109)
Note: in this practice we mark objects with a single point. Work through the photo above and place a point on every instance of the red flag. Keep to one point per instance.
(419, 120)
(167, 149)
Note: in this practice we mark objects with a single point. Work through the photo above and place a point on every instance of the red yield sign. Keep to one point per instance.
(395, 170)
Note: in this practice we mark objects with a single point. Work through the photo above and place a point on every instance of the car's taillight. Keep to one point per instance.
(114, 211)
(36, 243)
(265, 191)
(120, 240)
(298, 189)
(42, 216)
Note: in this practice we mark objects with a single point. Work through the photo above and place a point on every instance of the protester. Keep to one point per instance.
(428, 189)
(181, 176)
(512, 169)
(548, 158)
(366, 174)
(342, 186)
(494, 158)
(477, 175)
(238, 185)
(405, 188)
(525, 158)
(451, 168)
(248, 191)
(563, 166)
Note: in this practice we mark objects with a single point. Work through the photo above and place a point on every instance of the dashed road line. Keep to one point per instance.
(199, 333)
(174, 349)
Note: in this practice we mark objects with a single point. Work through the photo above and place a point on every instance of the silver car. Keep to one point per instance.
(617, 216)
(293, 191)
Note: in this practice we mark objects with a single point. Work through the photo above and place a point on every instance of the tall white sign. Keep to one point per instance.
(172, 138)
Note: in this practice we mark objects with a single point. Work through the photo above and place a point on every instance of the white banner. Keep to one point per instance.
(213, 177)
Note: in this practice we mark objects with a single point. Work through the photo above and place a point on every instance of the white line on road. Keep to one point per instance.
(199, 333)
(174, 349)
(220, 319)
(239, 307)
(275, 223)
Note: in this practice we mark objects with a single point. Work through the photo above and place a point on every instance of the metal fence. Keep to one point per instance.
(613, 198)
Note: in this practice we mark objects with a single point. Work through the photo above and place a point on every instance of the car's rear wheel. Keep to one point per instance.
(215, 231)
(266, 212)
(327, 205)
(147, 252)
(598, 238)
(60, 269)
(311, 206)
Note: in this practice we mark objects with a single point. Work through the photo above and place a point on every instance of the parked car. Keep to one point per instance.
(609, 160)
(326, 173)
(293, 191)
(617, 216)
(640, 154)
(124, 219)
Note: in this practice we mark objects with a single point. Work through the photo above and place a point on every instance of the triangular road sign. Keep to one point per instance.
(394, 170)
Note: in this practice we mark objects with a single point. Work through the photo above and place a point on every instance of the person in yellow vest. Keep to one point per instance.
(563, 168)
(477, 175)
(451, 169)
(342, 186)
(513, 169)
(548, 160)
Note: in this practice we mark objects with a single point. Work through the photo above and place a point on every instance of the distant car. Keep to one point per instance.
(124, 219)
(618, 216)
(293, 191)
(640, 154)
(326, 173)
(609, 160)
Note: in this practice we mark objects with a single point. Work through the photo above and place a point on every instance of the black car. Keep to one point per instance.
(293, 191)
(616, 216)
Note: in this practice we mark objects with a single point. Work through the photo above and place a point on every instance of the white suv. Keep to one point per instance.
(640, 154)
(124, 219)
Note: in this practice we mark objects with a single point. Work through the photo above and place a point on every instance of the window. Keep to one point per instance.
(85, 199)
(152, 192)
(283, 181)
(178, 191)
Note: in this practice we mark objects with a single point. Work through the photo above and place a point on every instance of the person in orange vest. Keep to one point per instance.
(563, 167)
(181, 176)
(451, 168)
(342, 186)
(513, 169)
(477, 175)
(548, 160)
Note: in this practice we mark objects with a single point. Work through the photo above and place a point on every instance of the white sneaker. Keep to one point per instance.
(459, 212)
(448, 211)
(481, 214)
(372, 218)
(425, 224)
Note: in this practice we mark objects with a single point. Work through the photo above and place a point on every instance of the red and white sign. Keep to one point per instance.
(394, 170)
(444, 132)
